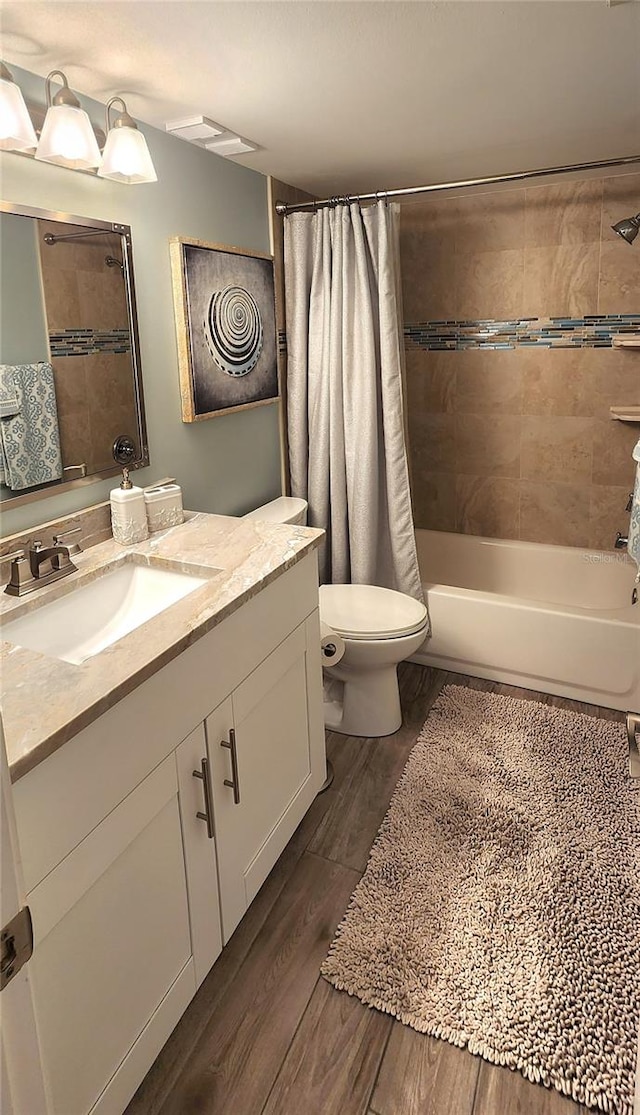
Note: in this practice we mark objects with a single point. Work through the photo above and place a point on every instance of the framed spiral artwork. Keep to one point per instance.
(225, 320)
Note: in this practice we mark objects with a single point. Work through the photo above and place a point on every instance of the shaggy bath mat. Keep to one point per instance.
(500, 908)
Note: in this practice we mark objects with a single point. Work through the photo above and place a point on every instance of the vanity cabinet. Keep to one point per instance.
(145, 837)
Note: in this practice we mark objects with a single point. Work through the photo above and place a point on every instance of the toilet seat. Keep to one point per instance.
(369, 612)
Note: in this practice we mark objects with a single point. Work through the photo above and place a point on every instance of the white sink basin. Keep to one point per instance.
(85, 621)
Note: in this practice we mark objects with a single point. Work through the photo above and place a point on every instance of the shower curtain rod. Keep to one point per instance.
(382, 195)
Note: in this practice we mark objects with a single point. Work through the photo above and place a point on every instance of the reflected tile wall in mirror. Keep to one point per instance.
(90, 343)
(70, 303)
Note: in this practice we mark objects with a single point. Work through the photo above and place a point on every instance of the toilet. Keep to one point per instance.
(284, 509)
(379, 627)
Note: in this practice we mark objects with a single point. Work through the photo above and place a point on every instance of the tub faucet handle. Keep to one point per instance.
(629, 502)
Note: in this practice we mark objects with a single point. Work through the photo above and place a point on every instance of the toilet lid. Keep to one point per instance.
(369, 612)
(284, 509)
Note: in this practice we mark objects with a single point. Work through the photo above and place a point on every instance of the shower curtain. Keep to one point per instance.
(345, 392)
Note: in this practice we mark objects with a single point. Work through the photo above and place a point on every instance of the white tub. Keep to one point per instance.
(552, 618)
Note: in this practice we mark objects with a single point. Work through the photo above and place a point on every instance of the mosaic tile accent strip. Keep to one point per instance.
(593, 331)
(86, 342)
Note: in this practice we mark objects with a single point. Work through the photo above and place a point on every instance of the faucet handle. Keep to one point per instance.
(21, 574)
(629, 506)
(58, 540)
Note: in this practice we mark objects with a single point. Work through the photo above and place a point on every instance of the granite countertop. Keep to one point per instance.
(46, 701)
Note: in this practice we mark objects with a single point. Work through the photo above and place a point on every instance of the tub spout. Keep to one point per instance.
(620, 542)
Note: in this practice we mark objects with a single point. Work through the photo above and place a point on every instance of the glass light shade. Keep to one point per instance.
(126, 157)
(16, 130)
(68, 139)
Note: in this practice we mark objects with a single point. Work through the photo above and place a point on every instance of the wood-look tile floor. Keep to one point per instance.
(265, 1035)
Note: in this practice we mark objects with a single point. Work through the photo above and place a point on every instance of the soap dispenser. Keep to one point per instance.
(128, 512)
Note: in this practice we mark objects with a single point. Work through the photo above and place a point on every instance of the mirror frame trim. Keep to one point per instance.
(124, 231)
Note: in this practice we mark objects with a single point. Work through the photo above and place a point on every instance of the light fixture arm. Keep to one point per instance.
(124, 120)
(64, 96)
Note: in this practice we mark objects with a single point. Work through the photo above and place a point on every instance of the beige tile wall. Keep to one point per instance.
(519, 443)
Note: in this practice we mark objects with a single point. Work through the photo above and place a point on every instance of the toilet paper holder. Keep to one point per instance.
(331, 645)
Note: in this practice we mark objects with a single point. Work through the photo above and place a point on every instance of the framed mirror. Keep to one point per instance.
(70, 376)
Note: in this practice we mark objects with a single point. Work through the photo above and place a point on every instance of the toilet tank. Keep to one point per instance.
(284, 509)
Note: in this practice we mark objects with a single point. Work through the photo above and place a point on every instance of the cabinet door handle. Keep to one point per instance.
(234, 781)
(208, 797)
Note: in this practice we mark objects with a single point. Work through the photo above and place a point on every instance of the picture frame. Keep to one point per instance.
(224, 301)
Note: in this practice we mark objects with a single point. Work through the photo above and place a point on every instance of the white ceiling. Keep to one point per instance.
(352, 96)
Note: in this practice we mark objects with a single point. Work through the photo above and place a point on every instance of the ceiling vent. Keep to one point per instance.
(206, 133)
(228, 144)
(196, 129)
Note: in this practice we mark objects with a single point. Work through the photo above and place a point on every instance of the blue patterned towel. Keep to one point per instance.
(9, 400)
(633, 545)
(30, 439)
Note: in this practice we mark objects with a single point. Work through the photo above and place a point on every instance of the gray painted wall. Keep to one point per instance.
(226, 465)
(23, 325)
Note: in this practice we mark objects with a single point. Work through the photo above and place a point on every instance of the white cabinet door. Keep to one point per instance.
(196, 815)
(261, 767)
(111, 930)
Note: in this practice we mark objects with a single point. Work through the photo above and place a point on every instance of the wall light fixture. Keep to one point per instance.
(16, 130)
(67, 137)
(126, 156)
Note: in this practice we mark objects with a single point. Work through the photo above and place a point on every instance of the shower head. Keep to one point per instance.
(628, 228)
(111, 261)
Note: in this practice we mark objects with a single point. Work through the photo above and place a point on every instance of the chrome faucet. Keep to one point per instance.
(41, 565)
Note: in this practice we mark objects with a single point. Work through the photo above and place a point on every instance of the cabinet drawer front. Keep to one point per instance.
(103, 968)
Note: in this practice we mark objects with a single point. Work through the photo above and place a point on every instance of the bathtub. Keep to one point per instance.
(552, 618)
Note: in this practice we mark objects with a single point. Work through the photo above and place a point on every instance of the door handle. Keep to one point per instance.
(208, 797)
(234, 781)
